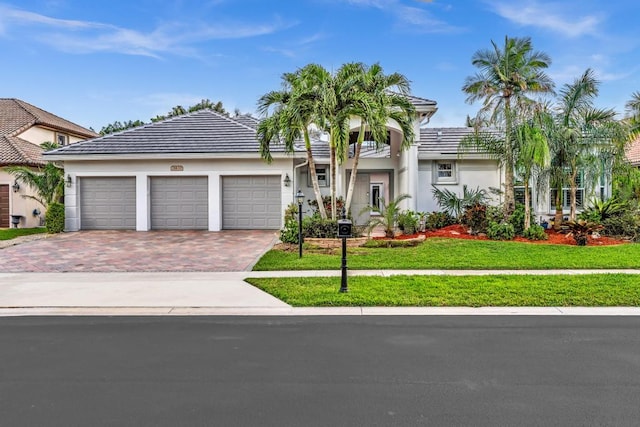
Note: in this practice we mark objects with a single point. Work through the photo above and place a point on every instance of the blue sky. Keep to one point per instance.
(100, 61)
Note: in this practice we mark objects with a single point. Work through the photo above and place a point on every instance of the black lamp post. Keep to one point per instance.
(300, 200)
(344, 231)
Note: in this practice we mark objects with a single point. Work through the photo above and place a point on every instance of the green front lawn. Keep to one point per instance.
(12, 233)
(464, 291)
(440, 253)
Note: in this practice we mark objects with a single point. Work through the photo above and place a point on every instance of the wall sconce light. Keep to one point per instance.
(15, 186)
(287, 180)
(69, 181)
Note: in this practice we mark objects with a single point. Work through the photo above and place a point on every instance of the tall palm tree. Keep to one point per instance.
(533, 156)
(507, 76)
(379, 98)
(290, 112)
(582, 138)
(633, 108)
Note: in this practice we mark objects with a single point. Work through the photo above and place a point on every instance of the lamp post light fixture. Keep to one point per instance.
(287, 180)
(300, 200)
(69, 181)
(344, 231)
(15, 186)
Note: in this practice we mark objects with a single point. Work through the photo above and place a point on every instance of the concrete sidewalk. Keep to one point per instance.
(225, 293)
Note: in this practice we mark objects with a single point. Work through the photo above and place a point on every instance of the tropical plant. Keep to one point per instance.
(387, 215)
(454, 205)
(409, 222)
(507, 75)
(581, 138)
(376, 99)
(535, 232)
(633, 110)
(436, 220)
(290, 112)
(47, 182)
(475, 217)
(500, 231)
(580, 229)
(599, 210)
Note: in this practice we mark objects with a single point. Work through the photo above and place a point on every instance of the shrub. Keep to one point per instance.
(291, 213)
(54, 218)
(626, 225)
(517, 219)
(580, 229)
(436, 220)
(289, 234)
(599, 210)
(500, 231)
(326, 200)
(315, 226)
(475, 217)
(408, 221)
(535, 232)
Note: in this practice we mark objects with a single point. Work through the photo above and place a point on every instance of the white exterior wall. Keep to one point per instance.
(144, 169)
(473, 173)
(37, 135)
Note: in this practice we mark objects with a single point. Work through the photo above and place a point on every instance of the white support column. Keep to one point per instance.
(215, 202)
(142, 202)
(412, 176)
(71, 205)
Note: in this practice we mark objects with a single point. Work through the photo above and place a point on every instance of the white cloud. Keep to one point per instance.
(410, 17)
(550, 16)
(76, 36)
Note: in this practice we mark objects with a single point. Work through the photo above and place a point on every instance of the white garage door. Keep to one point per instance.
(251, 202)
(108, 203)
(179, 203)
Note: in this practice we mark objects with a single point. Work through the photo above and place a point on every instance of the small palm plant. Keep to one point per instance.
(388, 215)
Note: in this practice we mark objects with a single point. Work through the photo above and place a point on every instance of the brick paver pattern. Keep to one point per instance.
(131, 251)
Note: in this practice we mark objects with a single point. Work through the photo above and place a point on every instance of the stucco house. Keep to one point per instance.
(23, 127)
(633, 153)
(203, 171)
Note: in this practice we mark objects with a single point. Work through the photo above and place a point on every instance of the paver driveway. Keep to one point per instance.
(111, 251)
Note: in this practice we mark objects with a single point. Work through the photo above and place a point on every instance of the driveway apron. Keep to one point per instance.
(131, 251)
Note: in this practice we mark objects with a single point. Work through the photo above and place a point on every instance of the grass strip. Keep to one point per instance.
(12, 233)
(592, 290)
(441, 253)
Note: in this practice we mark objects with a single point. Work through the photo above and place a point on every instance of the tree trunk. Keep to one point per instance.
(527, 209)
(332, 167)
(573, 191)
(314, 177)
(509, 196)
(354, 169)
(557, 220)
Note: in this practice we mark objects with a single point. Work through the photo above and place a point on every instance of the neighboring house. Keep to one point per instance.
(203, 170)
(23, 127)
(633, 153)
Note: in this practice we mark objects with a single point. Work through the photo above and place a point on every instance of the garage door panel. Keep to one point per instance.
(251, 202)
(108, 203)
(180, 203)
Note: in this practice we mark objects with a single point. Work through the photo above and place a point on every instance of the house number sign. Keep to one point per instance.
(177, 168)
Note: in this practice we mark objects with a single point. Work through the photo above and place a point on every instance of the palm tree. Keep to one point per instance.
(633, 108)
(388, 214)
(47, 182)
(294, 109)
(533, 156)
(582, 138)
(507, 75)
(375, 104)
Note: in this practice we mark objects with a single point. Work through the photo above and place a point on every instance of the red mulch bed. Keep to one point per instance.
(460, 232)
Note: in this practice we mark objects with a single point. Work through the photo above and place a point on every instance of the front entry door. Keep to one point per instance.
(361, 199)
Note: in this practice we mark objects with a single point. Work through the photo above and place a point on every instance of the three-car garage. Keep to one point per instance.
(247, 202)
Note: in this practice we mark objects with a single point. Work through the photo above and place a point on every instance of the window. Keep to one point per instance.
(376, 191)
(566, 195)
(322, 172)
(62, 139)
(519, 193)
(445, 172)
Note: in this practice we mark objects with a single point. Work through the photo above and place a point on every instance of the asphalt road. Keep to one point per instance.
(319, 371)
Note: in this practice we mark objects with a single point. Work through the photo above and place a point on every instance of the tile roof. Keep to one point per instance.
(203, 131)
(18, 152)
(247, 120)
(441, 141)
(633, 152)
(17, 116)
(420, 102)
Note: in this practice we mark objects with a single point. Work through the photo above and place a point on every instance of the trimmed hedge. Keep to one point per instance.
(54, 218)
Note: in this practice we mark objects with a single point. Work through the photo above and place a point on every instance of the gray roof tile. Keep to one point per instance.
(203, 131)
(442, 141)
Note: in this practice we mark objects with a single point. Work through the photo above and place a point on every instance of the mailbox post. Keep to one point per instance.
(344, 231)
